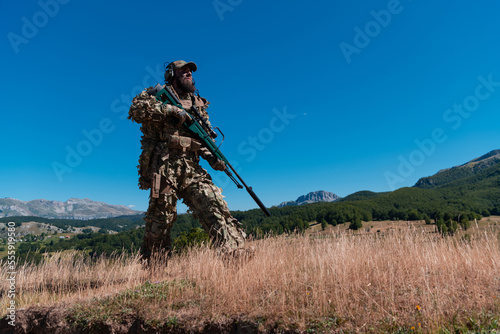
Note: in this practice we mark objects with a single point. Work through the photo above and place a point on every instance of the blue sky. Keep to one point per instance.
(322, 95)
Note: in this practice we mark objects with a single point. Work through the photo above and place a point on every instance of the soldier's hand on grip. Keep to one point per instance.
(219, 165)
(181, 115)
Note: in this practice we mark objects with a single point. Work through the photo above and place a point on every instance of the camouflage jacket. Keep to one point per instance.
(158, 124)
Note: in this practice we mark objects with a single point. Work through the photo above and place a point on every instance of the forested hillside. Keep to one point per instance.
(477, 193)
(462, 172)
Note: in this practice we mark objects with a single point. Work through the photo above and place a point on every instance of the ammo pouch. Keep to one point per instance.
(183, 143)
(186, 147)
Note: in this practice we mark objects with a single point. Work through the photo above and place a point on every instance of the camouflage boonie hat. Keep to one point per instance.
(181, 63)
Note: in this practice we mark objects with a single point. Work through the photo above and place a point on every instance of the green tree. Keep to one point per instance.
(452, 226)
(465, 222)
(195, 237)
(324, 224)
(448, 227)
(414, 215)
(441, 226)
(356, 223)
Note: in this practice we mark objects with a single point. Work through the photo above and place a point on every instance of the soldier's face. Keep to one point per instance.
(184, 78)
(185, 72)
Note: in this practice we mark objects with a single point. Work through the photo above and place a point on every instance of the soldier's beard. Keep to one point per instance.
(185, 85)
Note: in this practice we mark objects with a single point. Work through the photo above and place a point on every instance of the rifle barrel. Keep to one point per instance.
(251, 192)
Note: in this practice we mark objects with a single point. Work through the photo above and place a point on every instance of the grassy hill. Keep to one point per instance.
(401, 281)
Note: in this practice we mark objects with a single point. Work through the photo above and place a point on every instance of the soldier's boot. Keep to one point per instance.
(240, 255)
(156, 250)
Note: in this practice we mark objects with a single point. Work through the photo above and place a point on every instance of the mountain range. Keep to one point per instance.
(73, 208)
(312, 197)
(476, 183)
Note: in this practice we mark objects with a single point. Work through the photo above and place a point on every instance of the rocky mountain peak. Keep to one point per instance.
(312, 197)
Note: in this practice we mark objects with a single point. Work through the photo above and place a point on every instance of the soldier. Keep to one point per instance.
(169, 166)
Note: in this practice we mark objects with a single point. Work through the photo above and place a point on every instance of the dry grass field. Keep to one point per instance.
(402, 279)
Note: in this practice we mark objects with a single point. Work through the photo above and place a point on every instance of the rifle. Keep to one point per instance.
(198, 125)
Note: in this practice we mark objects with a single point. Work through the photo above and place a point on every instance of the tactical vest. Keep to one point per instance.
(157, 135)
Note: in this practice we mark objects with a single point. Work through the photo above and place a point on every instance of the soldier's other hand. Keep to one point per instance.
(219, 165)
(181, 115)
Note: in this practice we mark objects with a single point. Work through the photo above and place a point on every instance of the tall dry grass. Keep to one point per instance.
(68, 277)
(404, 278)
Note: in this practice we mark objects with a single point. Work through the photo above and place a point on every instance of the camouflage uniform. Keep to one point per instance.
(169, 166)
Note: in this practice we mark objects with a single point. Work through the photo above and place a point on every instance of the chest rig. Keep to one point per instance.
(182, 141)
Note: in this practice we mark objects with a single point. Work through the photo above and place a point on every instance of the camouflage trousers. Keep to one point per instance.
(183, 178)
